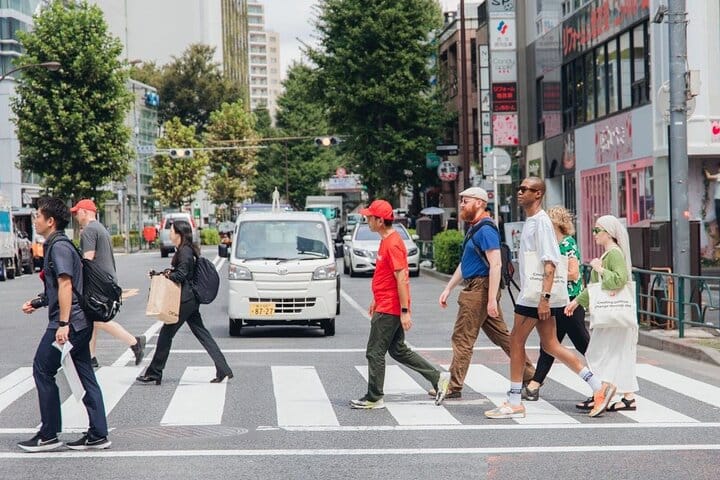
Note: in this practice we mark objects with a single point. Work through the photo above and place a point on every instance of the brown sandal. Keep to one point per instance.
(588, 404)
(628, 405)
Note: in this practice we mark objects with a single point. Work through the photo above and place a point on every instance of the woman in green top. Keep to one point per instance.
(612, 351)
(572, 325)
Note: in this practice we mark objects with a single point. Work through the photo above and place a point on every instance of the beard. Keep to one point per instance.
(468, 214)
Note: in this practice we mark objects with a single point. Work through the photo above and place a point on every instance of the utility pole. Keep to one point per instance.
(464, 130)
(678, 138)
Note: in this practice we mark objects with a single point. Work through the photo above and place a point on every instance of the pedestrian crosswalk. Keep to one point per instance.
(304, 399)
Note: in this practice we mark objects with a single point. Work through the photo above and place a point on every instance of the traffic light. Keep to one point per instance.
(327, 141)
(181, 153)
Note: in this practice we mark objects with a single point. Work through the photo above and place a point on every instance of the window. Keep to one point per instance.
(601, 80)
(589, 87)
(612, 73)
(625, 74)
(640, 62)
(580, 86)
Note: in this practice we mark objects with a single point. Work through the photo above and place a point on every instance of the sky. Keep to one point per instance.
(292, 19)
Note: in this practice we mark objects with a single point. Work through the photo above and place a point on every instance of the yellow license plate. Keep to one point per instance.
(262, 309)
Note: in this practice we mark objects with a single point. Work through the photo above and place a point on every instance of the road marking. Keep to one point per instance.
(492, 426)
(300, 398)
(15, 385)
(398, 382)
(196, 401)
(355, 305)
(679, 383)
(492, 385)
(360, 451)
(327, 350)
(128, 355)
(129, 292)
(647, 410)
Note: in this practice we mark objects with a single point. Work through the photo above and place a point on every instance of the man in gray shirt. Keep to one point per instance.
(96, 245)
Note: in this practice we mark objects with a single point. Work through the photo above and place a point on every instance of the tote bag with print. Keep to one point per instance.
(612, 308)
(533, 282)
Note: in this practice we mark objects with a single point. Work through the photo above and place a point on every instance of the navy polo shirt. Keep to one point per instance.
(66, 261)
(486, 238)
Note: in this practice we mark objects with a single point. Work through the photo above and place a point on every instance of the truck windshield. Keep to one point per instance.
(281, 240)
(328, 212)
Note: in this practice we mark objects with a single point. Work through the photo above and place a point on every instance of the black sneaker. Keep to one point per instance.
(84, 443)
(37, 444)
(94, 362)
(139, 349)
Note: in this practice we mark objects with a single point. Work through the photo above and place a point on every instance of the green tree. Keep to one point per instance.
(175, 181)
(300, 114)
(193, 86)
(70, 123)
(263, 122)
(373, 59)
(232, 171)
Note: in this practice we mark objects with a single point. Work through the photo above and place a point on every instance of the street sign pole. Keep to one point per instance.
(495, 185)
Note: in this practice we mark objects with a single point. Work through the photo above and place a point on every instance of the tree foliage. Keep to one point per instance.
(177, 180)
(300, 114)
(232, 171)
(373, 59)
(190, 87)
(70, 123)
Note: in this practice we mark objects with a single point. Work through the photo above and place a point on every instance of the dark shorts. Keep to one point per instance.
(532, 312)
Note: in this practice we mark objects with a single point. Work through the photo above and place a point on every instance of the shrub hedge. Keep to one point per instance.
(446, 250)
(209, 236)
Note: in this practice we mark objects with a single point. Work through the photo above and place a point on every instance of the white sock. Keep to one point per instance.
(594, 382)
(514, 395)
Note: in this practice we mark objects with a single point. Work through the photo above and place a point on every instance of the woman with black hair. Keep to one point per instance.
(183, 269)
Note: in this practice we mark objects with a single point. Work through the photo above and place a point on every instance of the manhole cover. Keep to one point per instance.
(176, 432)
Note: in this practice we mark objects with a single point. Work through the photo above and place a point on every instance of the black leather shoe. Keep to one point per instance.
(221, 378)
(149, 379)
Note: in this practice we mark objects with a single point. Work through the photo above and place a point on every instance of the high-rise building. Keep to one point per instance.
(264, 60)
(235, 43)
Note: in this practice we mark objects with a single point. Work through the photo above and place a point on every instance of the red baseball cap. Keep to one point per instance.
(380, 209)
(85, 204)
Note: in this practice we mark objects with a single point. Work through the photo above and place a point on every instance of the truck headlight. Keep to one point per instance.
(412, 251)
(236, 272)
(326, 272)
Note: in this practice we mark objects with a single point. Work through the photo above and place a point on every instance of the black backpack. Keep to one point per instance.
(508, 269)
(206, 281)
(101, 296)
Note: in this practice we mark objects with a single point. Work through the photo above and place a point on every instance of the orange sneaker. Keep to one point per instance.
(602, 399)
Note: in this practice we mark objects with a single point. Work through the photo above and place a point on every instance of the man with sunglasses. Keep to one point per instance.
(538, 236)
(479, 272)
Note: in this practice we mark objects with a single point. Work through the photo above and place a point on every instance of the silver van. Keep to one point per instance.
(166, 245)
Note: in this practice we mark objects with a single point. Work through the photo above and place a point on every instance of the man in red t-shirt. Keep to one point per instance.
(390, 311)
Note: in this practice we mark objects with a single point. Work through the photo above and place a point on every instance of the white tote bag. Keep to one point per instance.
(612, 308)
(533, 284)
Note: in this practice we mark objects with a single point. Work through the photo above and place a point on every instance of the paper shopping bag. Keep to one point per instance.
(163, 299)
(533, 282)
(612, 308)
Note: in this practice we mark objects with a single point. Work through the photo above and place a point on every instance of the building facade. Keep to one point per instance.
(264, 61)
(235, 43)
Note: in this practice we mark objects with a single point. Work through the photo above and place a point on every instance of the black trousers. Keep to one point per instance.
(574, 327)
(190, 313)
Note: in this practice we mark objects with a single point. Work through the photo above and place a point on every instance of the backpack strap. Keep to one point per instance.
(470, 236)
(51, 264)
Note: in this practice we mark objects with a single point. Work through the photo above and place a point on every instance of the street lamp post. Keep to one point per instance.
(52, 66)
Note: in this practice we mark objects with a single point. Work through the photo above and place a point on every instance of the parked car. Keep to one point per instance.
(166, 245)
(361, 247)
(352, 220)
(282, 271)
(24, 260)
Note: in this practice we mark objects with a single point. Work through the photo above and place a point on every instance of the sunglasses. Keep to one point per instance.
(523, 189)
(597, 230)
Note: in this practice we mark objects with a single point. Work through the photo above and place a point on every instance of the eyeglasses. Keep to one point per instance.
(597, 230)
(523, 189)
(465, 200)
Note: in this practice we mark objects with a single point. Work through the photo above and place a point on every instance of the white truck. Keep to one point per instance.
(331, 206)
(7, 241)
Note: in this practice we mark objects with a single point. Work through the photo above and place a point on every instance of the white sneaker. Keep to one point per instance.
(365, 404)
(442, 388)
(506, 410)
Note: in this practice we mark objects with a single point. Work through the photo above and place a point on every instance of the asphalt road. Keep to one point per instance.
(286, 414)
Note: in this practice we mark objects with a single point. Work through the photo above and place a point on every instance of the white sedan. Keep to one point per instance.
(361, 247)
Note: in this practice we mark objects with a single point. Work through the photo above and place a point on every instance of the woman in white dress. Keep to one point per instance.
(612, 351)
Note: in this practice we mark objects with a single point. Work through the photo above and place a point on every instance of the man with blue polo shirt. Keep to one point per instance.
(479, 271)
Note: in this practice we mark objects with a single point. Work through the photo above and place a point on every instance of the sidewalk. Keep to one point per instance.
(698, 344)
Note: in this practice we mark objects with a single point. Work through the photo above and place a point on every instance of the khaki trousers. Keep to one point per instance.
(472, 316)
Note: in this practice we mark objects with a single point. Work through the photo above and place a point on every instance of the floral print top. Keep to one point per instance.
(569, 248)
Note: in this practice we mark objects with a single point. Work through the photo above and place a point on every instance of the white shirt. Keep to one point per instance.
(538, 235)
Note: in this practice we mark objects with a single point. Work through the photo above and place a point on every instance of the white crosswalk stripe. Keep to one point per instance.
(302, 400)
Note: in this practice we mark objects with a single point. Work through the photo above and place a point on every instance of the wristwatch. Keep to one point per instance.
(63, 324)
(546, 295)
(404, 310)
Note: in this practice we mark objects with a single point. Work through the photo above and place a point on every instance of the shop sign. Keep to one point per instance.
(568, 159)
(484, 100)
(503, 7)
(485, 121)
(504, 67)
(447, 171)
(598, 21)
(613, 139)
(484, 55)
(551, 96)
(504, 97)
(505, 130)
(715, 131)
(553, 123)
(502, 34)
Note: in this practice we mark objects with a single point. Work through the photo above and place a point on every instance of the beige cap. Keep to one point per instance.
(475, 192)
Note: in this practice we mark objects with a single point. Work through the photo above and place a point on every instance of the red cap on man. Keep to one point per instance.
(85, 204)
(380, 209)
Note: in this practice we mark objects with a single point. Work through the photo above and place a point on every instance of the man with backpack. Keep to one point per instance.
(62, 275)
(480, 272)
(96, 245)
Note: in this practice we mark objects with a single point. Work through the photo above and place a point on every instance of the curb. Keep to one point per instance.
(646, 338)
